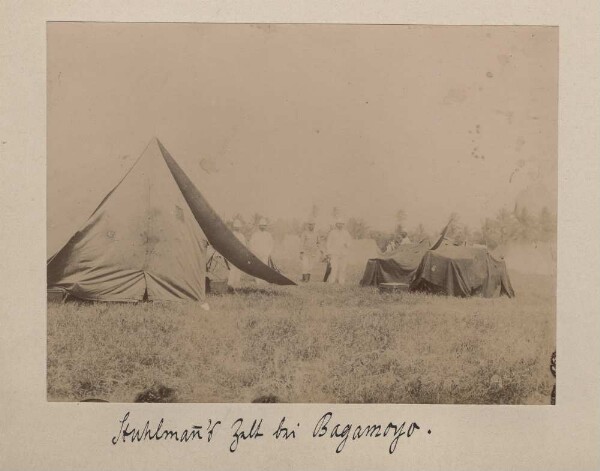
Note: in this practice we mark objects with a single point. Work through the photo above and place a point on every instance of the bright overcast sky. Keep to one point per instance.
(371, 119)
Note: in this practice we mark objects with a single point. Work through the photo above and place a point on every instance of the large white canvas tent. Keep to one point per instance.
(147, 240)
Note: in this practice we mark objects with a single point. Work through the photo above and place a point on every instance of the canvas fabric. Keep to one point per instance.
(147, 240)
(142, 242)
(398, 266)
(462, 271)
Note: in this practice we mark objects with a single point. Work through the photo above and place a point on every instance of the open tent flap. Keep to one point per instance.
(217, 232)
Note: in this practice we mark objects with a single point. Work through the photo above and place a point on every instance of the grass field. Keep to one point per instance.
(311, 343)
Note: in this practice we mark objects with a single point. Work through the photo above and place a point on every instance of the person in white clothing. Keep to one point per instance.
(338, 246)
(309, 249)
(405, 239)
(261, 245)
(234, 279)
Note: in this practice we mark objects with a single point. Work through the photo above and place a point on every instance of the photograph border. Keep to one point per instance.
(42, 435)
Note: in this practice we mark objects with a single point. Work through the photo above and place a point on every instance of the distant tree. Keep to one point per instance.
(314, 211)
(400, 216)
(489, 233)
(256, 217)
(507, 226)
(527, 228)
(381, 238)
(357, 228)
(478, 238)
(282, 227)
(492, 232)
(400, 220)
(461, 234)
(295, 227)
(240, 217)
(279, 229)
(547, 225)
(418, 234)
(455, 229)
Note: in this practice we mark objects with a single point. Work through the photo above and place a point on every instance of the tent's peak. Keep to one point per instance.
(154, 144)
(155, 141)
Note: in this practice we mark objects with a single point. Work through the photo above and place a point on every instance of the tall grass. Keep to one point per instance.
(311, 343)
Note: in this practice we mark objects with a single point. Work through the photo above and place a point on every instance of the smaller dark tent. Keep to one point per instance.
(396, 267)
(462, 271)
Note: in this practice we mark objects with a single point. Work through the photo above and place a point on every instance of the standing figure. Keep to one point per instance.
(309, 249)
(338, 246)
(405, 240)
(234, 273)
(261, 245)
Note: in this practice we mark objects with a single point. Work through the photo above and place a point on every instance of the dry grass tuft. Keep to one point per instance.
(311, 343)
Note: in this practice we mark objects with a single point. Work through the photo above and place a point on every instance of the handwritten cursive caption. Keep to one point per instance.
(325, 428)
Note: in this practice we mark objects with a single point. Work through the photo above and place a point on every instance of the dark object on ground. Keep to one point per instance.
(246, 290)
(266, 399)
(272, 265)
(56, 295)
(94, 400)
(393, 287)
(327, 272)
(158, 394)
(216, 286)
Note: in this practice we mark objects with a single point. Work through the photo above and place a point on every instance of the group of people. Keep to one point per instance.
(393, 244)
(334, 253)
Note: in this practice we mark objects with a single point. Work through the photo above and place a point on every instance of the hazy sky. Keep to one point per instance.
(272, 119)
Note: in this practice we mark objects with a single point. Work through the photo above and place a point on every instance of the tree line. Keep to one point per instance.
(518, 225)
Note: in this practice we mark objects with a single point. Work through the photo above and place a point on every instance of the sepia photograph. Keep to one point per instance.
(301, 213)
